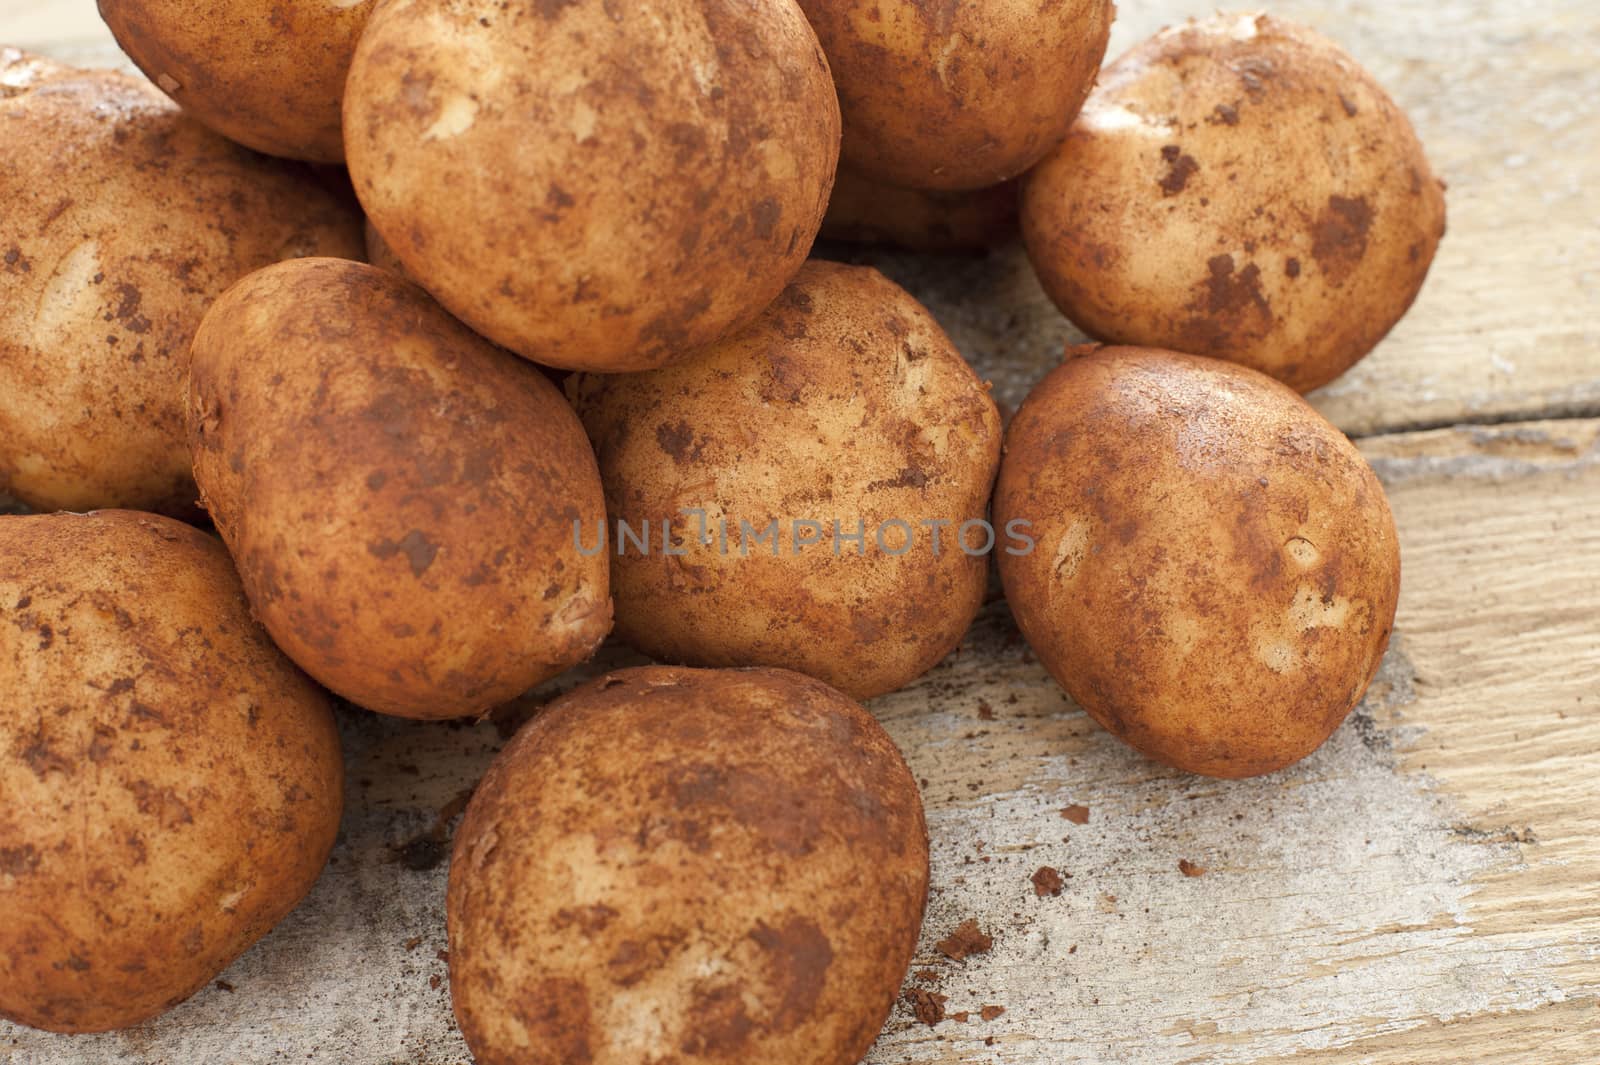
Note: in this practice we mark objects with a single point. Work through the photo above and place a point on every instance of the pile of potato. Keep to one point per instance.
(596, 385)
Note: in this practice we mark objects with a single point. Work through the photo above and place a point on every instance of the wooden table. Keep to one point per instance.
(1424, 889)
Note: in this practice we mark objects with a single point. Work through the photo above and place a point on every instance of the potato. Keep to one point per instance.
(210, 57)
(724, 867)
(1239, 188)
(958, 96)
(401, 496)
(122, 222)
(172, 784)
(1215, 567)
(844, 405)
(595, 185)
(864, 211)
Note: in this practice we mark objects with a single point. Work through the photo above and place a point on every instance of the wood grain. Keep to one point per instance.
(1421, 890)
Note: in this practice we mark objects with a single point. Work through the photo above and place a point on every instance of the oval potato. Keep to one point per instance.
(583, 205)
(730, 866)
(209, 56)
(1216, 568)
(1238, 187)
(845, 402)
(958, 95)
(400, 495)
(123, 220)
(172, 784)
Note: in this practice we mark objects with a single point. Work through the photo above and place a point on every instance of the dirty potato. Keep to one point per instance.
(863, 211)
(172, 784)
(594, 185)
(958, 96)
(1239, 188)
(728, 865)
(122, 221)
(400, 495)
(210, 57)
(802, 490)
(1215, 566)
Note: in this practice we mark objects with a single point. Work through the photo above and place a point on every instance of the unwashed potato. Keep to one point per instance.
(595, 185)
(844, 403)
(958, 95)
(1215, 566)
(717, 867)
(267, 73)
(863, 211)
(172, 784)
(400, 495)
(122, 221)
(1238, 187)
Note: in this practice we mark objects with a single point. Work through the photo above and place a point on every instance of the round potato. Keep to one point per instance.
(172, 784)
(208, 56)
(727, 866)
(864, 211)
(586, 207)
(400, 495)
(123, 220)
(789, 484)
(1215, 567)
(1239, 188)
(958, 96)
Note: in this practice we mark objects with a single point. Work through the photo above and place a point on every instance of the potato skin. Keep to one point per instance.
(123, 220)
(208, 56)
(726, 866)
(863, 211)
(172, 783)
(399, 494)
(845, 402)
(584, 208)
(1241, 188)
(1216, 567)
(958, 96)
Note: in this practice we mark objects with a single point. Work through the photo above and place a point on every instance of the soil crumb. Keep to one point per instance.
(1047, 881)
(927, 1005)
(968, 939)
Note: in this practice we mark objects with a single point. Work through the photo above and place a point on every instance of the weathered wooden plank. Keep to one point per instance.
(1564, 1032)
(1431, 871)
(66, 29)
